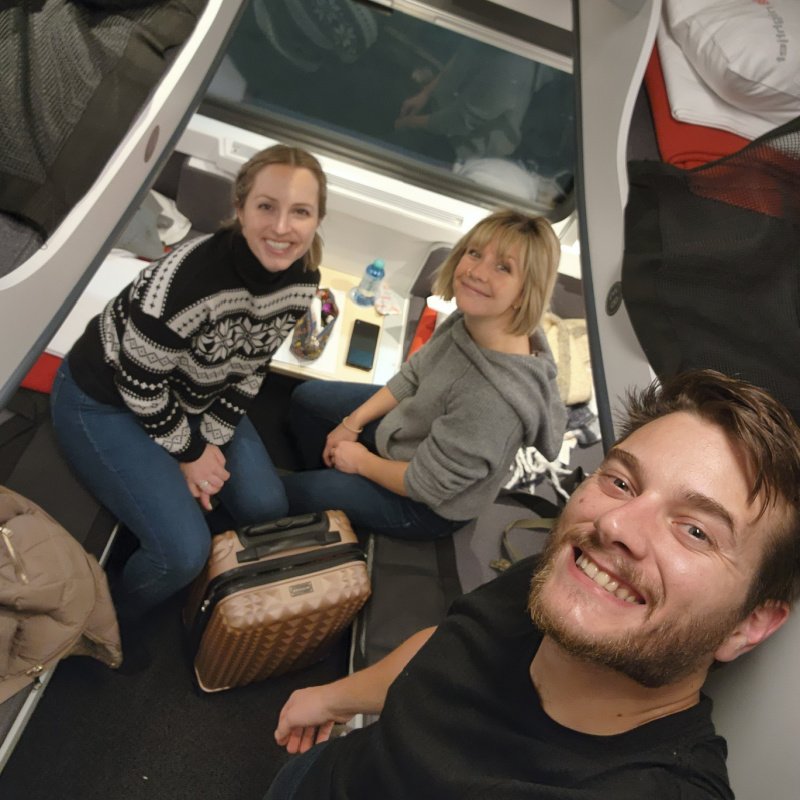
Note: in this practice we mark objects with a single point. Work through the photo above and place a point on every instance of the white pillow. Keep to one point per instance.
(501, 174)
(747, 51)
(692, 100)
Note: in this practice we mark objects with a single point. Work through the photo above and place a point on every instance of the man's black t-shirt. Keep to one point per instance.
(464, 720)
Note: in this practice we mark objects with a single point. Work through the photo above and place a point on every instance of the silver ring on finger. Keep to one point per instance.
(204, 484)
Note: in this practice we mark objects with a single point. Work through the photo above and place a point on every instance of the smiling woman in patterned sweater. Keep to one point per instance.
(149, 406)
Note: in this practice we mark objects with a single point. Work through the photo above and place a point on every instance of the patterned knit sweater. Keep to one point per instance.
(192, 335)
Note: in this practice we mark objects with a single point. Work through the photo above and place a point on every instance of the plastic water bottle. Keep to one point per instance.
(367, 290)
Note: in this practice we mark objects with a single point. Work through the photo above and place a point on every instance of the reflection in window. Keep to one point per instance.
(407, 89)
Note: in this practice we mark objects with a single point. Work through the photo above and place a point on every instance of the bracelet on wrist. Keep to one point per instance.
(348, 428)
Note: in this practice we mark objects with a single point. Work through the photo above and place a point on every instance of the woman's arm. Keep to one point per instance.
(220, 420)
(377, 406)
(354, 458)
(309, 714)
(412, 106)
(149, 353)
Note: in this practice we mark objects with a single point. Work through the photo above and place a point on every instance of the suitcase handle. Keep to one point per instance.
(248, 533)
(287, 542)
(289, 533)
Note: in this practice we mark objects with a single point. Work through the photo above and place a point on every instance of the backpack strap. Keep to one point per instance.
(509, 555)
(547, 513)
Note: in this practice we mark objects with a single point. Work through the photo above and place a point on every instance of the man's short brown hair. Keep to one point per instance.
(768, 437)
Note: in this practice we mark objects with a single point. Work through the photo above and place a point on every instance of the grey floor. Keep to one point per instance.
(99, 735)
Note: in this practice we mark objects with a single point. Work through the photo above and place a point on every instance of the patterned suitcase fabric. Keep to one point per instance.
(274, 598)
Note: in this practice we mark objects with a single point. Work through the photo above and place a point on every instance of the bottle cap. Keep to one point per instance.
(378, 262)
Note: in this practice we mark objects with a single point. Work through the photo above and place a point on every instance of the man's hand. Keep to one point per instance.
(306, 720)
(310, 714)
(207, 475)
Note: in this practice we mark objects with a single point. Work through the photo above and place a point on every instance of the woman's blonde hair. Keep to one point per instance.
(293, 157)
(538, 250)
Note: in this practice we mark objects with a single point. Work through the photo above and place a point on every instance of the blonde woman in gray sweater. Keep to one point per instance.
(423, 455)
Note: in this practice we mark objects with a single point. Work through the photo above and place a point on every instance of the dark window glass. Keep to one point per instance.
(397, 93)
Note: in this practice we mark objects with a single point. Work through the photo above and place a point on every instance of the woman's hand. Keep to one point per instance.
(338, 435)
(414, 104)
(207, 475)
(306, 719)
(349, 457)
(377, 406)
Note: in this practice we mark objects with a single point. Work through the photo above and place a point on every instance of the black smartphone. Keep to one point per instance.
(363, 343)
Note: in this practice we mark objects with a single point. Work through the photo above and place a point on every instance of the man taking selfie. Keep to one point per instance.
(578, 673)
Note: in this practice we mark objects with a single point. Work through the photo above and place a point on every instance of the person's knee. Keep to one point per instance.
(264, 508)
(255, 497)
(152, 574)
(184, 564)
(305, 397)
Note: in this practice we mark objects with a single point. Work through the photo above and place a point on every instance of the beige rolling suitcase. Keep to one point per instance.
(274, 598)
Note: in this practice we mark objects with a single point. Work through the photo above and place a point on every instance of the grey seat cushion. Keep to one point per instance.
(18, 242)
(74, 78)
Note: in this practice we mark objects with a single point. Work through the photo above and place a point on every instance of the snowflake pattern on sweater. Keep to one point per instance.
(192, 336)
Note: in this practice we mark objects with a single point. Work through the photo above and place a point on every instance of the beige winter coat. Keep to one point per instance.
(54, 598)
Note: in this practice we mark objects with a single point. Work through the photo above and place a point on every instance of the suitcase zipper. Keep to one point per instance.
(247, 576)
(284, 563)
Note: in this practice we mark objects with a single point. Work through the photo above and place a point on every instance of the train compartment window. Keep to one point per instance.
(460, 106)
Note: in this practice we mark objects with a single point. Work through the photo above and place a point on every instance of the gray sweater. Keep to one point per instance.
(462, 414)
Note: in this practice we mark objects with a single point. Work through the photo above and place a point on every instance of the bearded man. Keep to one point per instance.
(578, 673)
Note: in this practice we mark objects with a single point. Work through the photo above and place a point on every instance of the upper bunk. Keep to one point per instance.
(101, 90)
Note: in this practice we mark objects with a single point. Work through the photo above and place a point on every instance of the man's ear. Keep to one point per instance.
(757, 626)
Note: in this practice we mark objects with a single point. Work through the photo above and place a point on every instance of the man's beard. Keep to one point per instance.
(654, 656)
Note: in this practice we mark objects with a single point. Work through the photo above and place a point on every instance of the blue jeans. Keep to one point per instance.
(317, 408)
(291, 775)
(143, 486)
